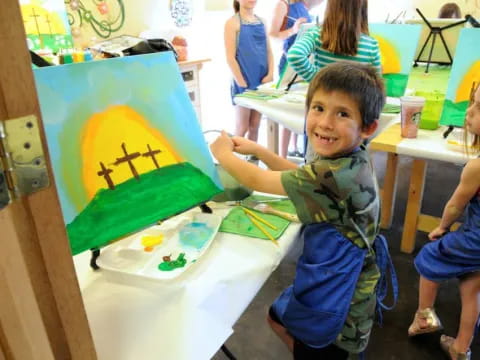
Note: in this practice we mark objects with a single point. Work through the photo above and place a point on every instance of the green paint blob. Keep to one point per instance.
(174, 264)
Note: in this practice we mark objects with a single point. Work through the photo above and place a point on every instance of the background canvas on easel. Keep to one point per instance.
(397, 48)
(46, 24)
(97, 115)
(465, 71)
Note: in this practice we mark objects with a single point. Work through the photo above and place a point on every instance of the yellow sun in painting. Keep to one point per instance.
(390, 58)
(111, 137)
(38, 20)
(471, 76)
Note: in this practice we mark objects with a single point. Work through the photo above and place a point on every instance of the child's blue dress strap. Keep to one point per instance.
(384, 263)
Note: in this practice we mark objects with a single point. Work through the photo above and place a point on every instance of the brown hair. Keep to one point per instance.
(364, 18)
(450, 11)
(475, 145)
(359, 81)
(236, 6)
(344, 22)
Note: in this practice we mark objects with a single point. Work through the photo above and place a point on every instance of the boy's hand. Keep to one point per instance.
(437, 233)
(244, 146)
(222, 145)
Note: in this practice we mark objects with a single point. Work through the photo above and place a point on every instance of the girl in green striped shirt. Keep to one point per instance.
(343, 36)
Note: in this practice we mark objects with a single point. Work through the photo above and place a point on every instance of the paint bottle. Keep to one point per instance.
(78, 56)
(87, 55)
(67, 58)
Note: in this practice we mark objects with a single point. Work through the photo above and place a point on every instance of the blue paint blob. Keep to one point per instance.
(195, 235)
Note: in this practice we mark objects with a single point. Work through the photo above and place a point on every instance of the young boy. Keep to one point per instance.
(328, 311)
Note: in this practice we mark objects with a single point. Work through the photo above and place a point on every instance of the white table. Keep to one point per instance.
(291, 115)
(186, 319)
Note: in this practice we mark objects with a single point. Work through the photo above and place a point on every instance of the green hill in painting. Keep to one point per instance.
(395, 84)
(136, 204)
(454, 113)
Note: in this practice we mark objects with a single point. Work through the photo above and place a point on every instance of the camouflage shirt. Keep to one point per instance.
(344, 193)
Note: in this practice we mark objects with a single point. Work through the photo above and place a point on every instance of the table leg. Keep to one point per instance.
(272, 136)
(414, 205)
(389, 190)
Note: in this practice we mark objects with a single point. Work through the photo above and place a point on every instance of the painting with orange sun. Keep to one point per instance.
(125, 145)
(465, 72)
(397, 45)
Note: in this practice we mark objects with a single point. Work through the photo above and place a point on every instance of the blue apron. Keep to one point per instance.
(295, 11)
(457, 253)
(315, 307)
(251, 56)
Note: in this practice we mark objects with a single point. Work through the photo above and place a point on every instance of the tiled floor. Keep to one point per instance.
(253, 339)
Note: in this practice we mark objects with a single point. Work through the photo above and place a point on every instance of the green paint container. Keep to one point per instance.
(432, 110)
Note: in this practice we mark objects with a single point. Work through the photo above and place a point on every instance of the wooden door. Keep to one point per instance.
(41, 310)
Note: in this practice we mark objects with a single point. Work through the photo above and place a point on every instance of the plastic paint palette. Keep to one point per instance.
(190, 234)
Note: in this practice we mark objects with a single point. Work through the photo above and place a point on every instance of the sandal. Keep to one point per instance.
(446, 343)
(429, 316)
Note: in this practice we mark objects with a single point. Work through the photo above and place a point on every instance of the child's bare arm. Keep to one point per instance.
(231, 29)
(466, 189)
(269, 76)
(247, 174)
(281, 10)
(272, 160)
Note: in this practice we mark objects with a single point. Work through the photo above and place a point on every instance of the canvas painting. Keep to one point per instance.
(125, 145)
(465, 72)
(397, 44)
(46, 24)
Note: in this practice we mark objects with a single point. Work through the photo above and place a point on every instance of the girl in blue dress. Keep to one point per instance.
(250, 59)
(454, 254)
(287, 19)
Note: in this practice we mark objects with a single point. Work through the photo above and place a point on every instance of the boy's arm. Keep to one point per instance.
(467, 188)
(230, 34)
(269, 158)
(247, 174)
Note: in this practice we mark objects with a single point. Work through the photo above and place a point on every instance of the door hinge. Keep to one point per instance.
(23, 169)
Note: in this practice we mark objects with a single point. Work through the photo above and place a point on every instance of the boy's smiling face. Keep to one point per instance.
(334, 124)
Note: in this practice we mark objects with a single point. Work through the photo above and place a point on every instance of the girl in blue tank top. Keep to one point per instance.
(287, 19)
(454, 254)
(250, 59)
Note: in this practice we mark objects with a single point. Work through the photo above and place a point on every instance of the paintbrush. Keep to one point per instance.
(267, 209)
(260, 227)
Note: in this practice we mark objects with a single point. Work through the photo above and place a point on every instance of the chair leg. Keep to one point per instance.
(228, 353)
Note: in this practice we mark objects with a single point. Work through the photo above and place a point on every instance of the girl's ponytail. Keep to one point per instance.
(236, 6)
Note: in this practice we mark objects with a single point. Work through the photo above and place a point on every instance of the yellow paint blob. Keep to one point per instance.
(149, 241)
(102, 139)
(390, 59)
(471, 76)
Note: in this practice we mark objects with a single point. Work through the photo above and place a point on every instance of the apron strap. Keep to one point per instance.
(384, 262)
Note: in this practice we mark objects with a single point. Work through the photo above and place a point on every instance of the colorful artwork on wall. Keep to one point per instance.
(125, 145)
(46, 24)
(397, 44)
(104, 17)
(465, 72)
(181, 11)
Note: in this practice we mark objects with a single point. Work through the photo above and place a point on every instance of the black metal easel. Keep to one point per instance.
(434, 31)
